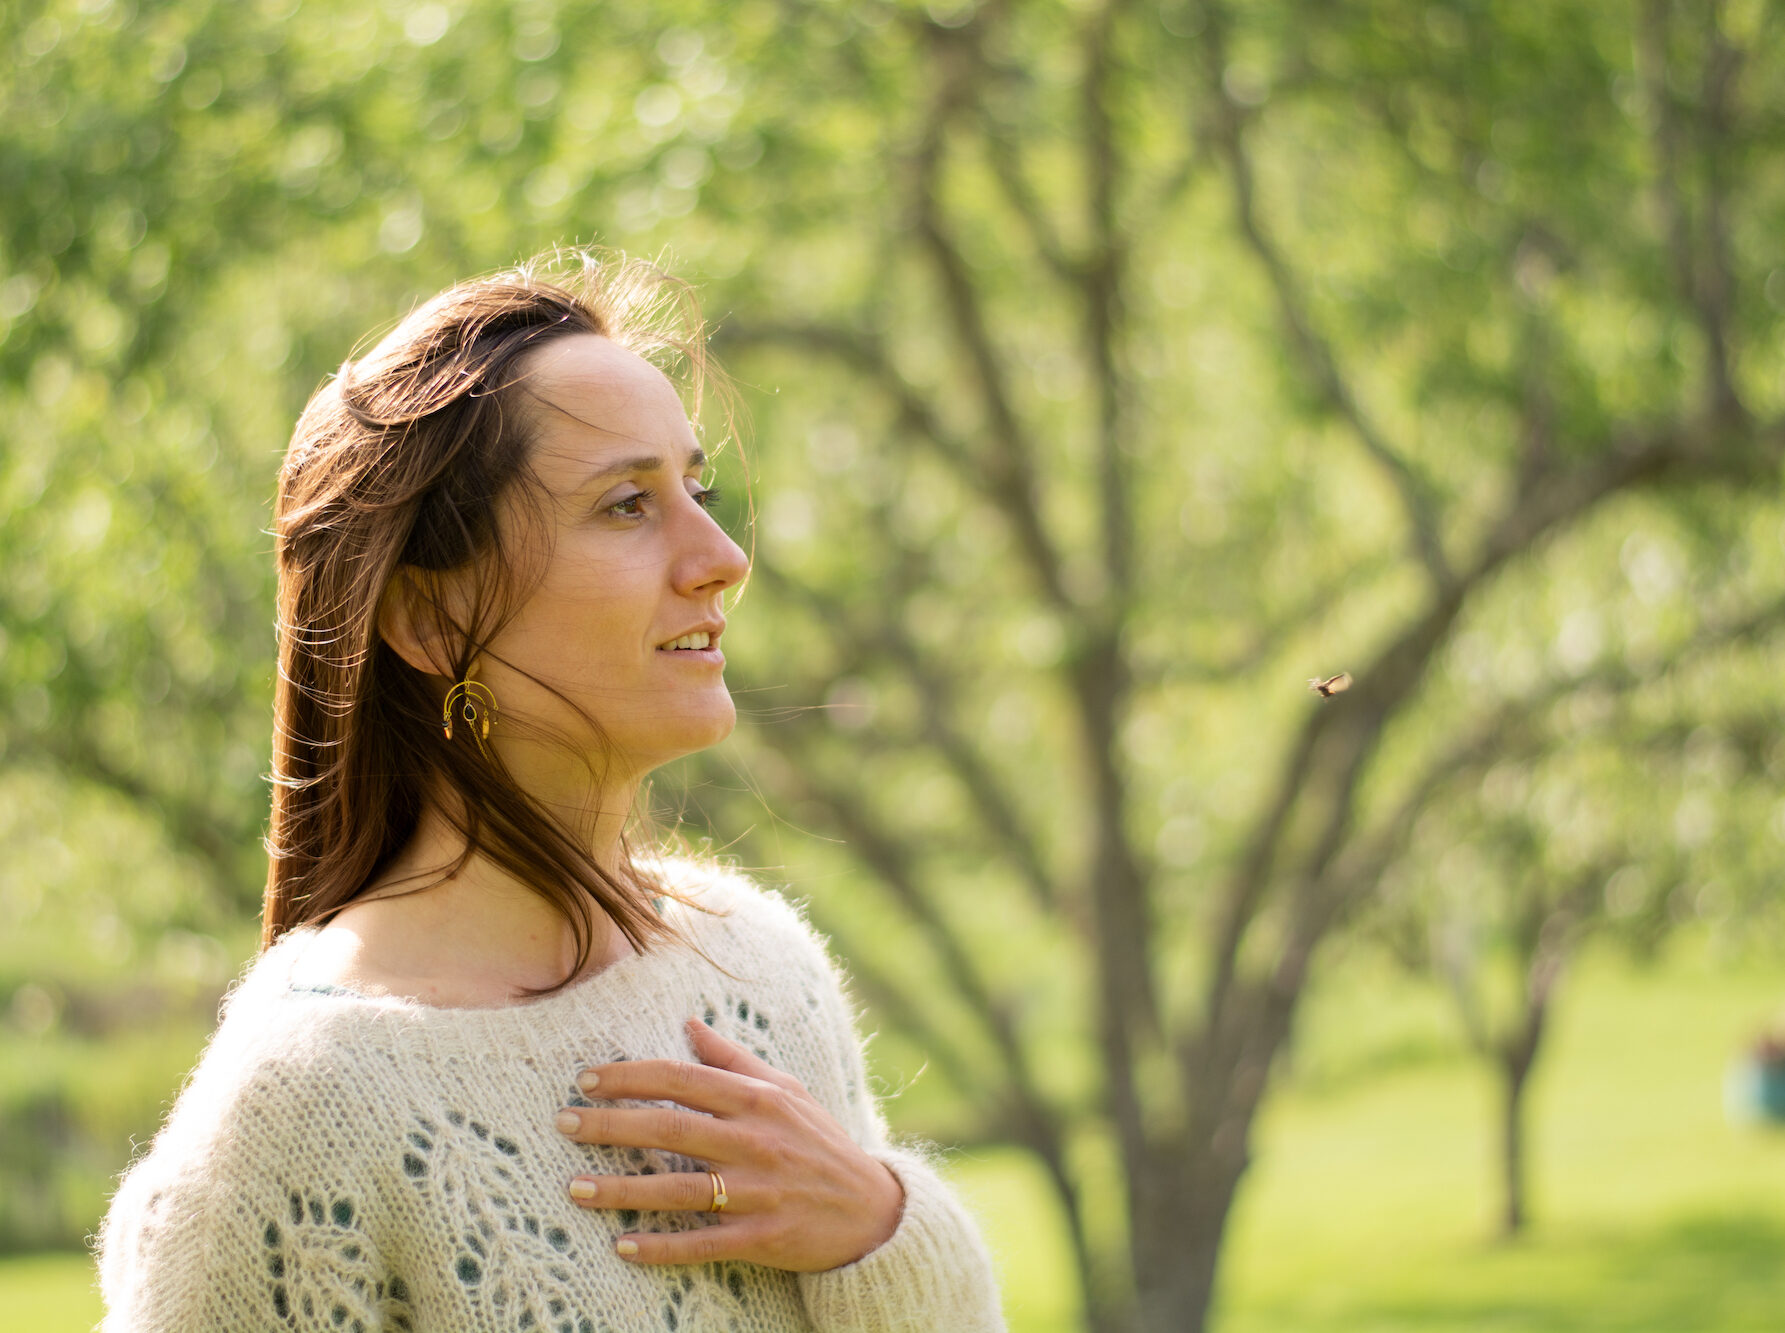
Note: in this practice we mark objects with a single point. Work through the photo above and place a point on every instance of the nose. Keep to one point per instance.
(709, 561)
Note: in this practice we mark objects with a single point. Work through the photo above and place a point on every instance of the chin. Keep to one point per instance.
(697, 734)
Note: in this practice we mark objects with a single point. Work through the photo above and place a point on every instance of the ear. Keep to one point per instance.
(413, 620)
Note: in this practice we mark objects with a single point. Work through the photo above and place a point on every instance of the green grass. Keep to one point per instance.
(48, 1293)
(1370, 1207)
(1371, 1202)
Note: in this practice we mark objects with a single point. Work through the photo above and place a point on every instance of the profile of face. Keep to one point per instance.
(633, 564)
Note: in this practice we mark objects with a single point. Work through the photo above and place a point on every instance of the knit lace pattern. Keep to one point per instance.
(341, 1163)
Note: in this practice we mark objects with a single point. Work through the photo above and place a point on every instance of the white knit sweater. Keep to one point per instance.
(338, 1162)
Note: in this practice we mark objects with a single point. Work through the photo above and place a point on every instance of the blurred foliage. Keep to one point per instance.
(1474, 209)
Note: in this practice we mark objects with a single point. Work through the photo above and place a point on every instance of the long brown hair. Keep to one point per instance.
(398, 463)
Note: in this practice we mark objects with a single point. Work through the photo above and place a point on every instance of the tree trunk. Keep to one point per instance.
(1546, 953)
(1518, 1056)
(1515, 1076)
(1181, 1299)
(1107, 1308)
(1185, 1206)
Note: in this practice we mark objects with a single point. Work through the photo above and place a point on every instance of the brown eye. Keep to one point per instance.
(1331, 685)
(635, 499)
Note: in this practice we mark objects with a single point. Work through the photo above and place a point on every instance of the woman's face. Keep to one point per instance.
(635, 562)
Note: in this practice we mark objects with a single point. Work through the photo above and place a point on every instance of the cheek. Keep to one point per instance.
(601, 593)
(579, 615)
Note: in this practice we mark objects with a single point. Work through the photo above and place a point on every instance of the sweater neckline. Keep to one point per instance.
(615, 975)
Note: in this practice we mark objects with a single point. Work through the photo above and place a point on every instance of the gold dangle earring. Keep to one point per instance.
(477, 705)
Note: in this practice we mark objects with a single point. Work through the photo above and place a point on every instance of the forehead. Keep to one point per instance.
(594, 401)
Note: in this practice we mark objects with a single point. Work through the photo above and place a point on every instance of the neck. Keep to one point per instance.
(591, 795)
(481, 919)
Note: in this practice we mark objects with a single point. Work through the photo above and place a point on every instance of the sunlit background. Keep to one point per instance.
(1110, 370)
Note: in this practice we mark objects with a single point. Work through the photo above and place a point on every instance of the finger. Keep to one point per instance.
(673, 1129)
(718, 1091)
(723, 1053)
(680, 1191)
(699, 1245)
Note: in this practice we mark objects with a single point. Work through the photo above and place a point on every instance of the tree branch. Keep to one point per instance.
(1702, 275)
(1384, 685)
(893, 868)
(1005, 160)
(1102, 283)
(1321, 597)
(1509, 731)
(1318, 359)
(1011, 464)
(879, 639)
(866, 354)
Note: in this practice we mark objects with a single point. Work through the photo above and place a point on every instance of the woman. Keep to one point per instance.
(492, 1070)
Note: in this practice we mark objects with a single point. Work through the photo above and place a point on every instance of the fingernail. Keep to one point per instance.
(581, 1188)
(568, 1122)
(588, 1080)
(625, 1247)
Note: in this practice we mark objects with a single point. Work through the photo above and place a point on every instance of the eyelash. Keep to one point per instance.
(707, 498)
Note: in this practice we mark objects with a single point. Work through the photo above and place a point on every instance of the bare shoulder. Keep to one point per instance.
(370, 948)
(399, 947)
(352, 952)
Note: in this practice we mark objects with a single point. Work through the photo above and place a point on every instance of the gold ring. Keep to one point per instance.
(719, 1196)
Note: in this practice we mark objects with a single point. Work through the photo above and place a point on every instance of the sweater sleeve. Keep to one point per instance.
(934, 1272)
(233, 1221)
(174, 1255)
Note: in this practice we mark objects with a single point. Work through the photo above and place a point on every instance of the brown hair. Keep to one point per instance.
(398, 463)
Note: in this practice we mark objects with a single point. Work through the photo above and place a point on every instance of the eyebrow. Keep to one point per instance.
(697, 457)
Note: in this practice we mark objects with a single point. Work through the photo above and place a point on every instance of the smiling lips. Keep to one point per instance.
(696, 641)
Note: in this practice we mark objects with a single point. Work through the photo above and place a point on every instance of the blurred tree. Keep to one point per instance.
(1135, 363)
(1512, 269)
(1600, 807)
